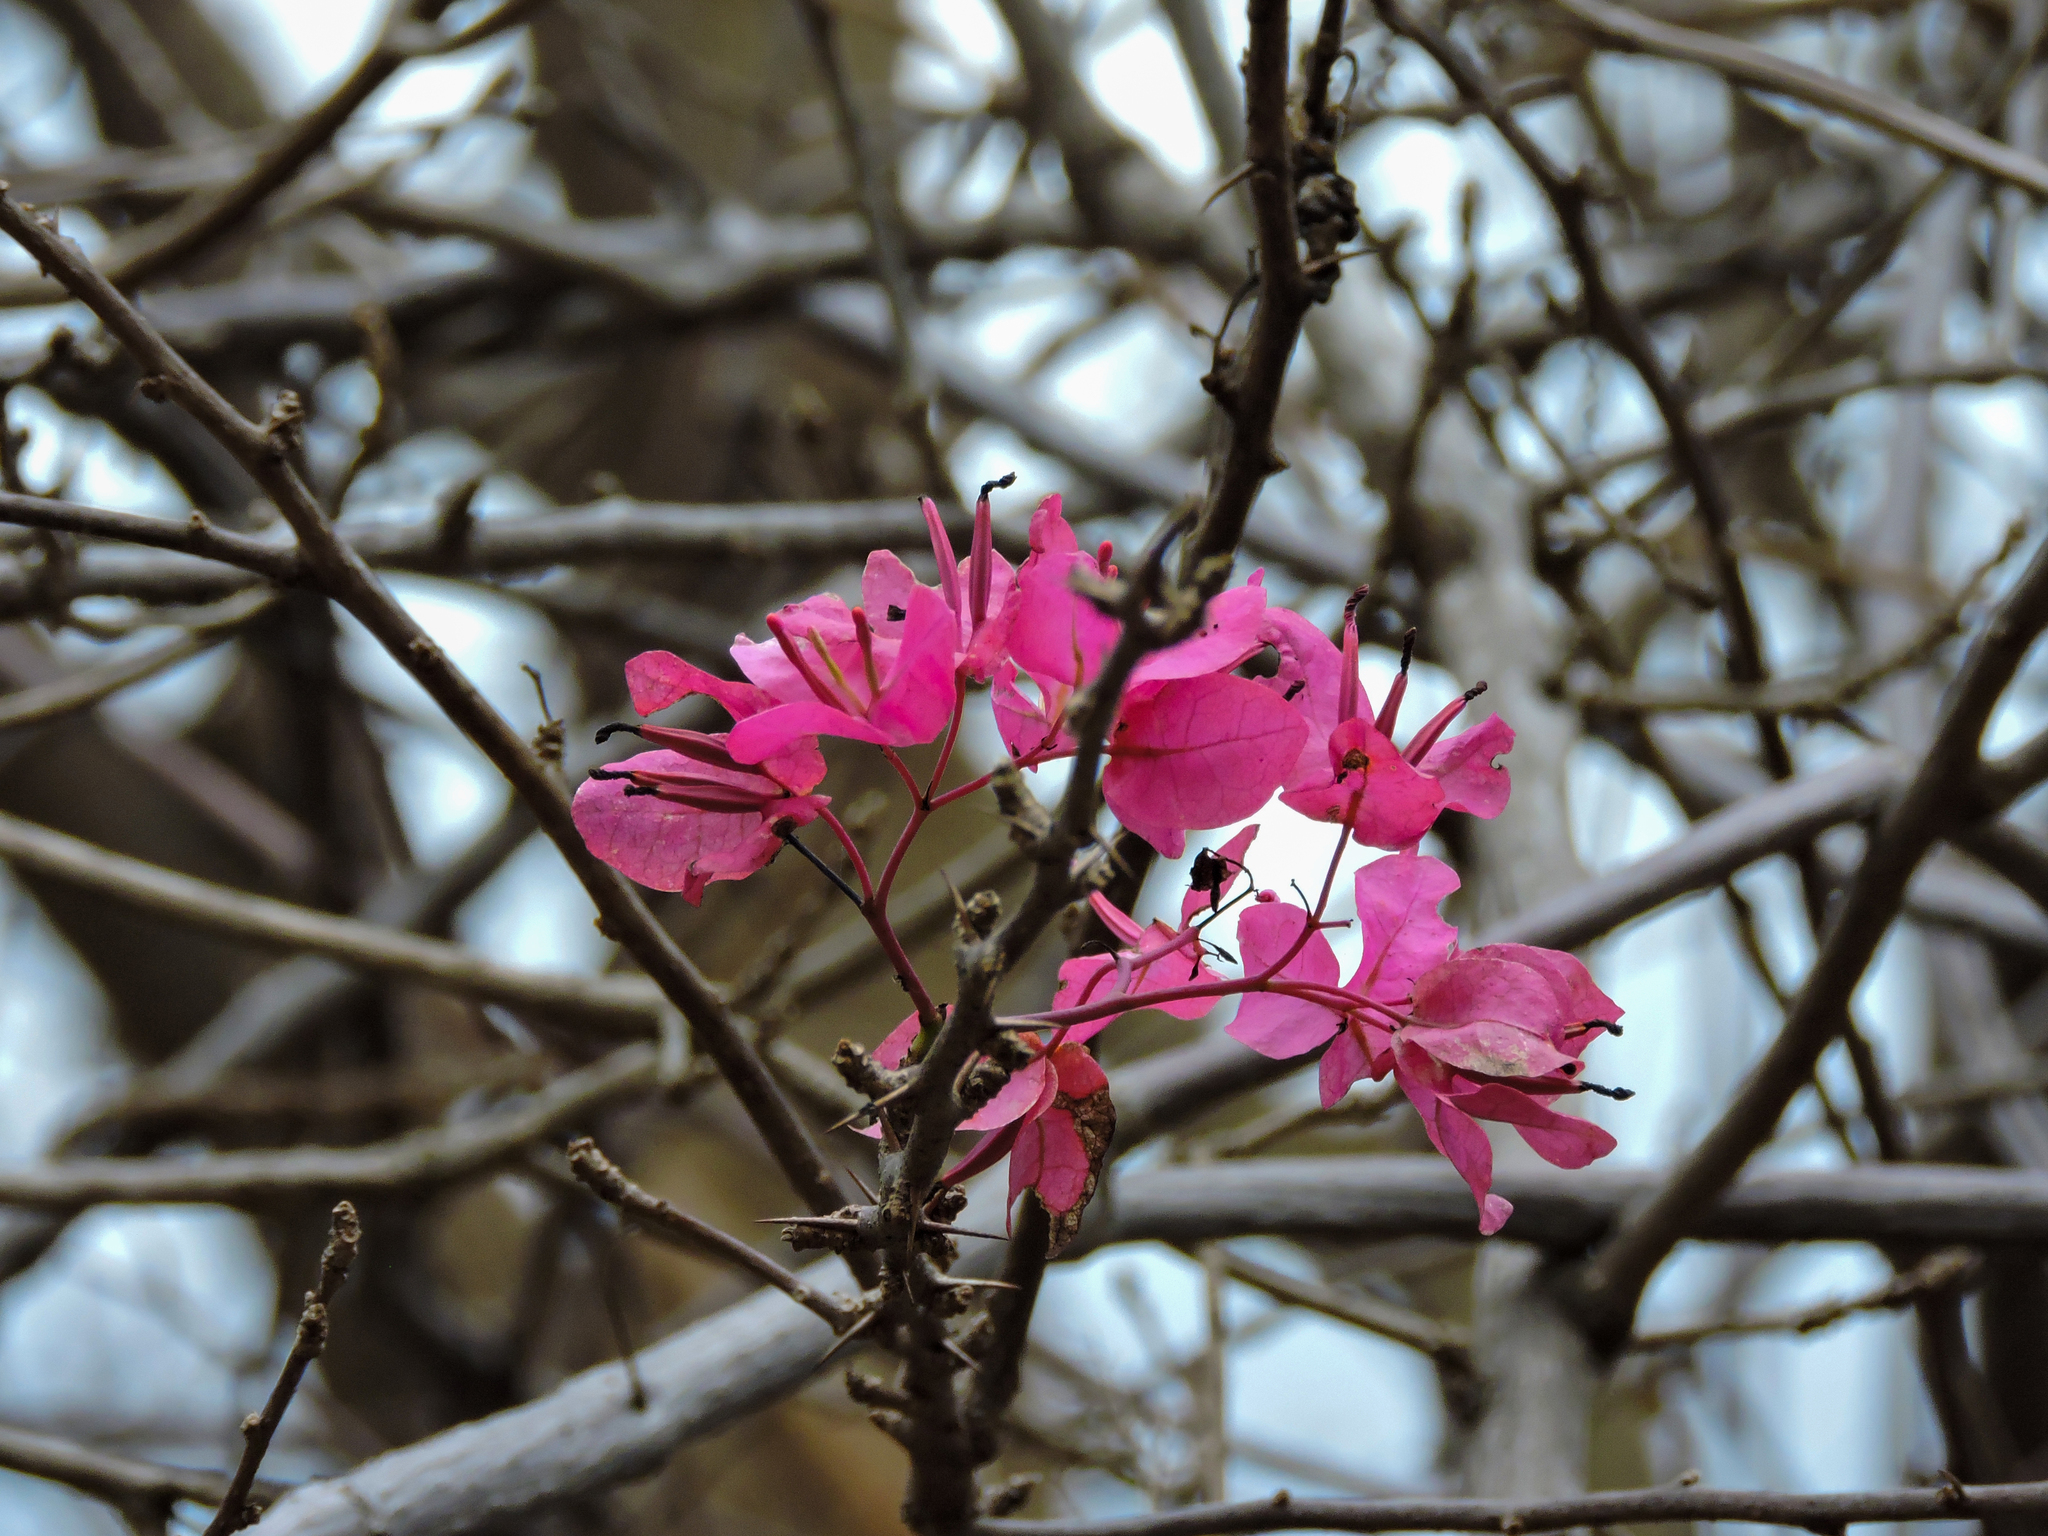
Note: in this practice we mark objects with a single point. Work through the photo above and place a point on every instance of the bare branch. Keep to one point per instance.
(310, 1338)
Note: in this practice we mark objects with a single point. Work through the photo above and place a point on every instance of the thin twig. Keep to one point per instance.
(1934, 802)
(90, 685)
(1445, 1343)
(1823, 1513)
(345, 1236)
(1941, 1271)
(338, 571)
(605, 1179)
(1746, 64)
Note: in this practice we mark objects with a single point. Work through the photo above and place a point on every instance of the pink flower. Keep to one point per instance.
(1192, 747)
(1403, 937)
(681, 817)
(1349, 756)
(1148, 961)
(1053, 1119)
(833, 674)
(1492, 1034)
(979, 590)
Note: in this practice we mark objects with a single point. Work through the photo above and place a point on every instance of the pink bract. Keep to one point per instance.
(1403, 789)
(1197, 752)
(679, 847)
(1148, 960)
(889, 690)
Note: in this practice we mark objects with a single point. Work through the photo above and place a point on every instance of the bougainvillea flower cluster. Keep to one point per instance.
(1199, 740)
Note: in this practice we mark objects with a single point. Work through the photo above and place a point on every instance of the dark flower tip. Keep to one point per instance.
(1474, 691)
(608, 773)
(998, 485)
(606, 733)
(1619, 1095)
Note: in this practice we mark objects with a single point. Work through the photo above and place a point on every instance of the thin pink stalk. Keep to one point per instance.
(1028, 760)
(860, 865)
(952, 736)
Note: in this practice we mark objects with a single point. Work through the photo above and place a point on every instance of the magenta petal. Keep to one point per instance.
(917, 694)
(895, 1047)
(1310, 667)
(672, 847)
(1459, 1137)
(1120, 923)
(885, 588)
(1343, 1064)
(1396, 803)
(1403, 934)
(1027, 1086)
(657, 679)
(1229, 633)
(1465, 766)
(1269, 1022)
(1489, 1046)
(1564, 1140)
(1057, 633)
(1281, 1027)
(1025, 725)
(777, 730)
(1483, 986)
(1580, 1000)
(1050, 1158)
(1050, 532)
(1201, 752)
(1080, 1074)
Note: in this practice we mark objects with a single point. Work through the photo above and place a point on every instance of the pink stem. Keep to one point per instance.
(860, 865)
(952, 736)
(1028, 760)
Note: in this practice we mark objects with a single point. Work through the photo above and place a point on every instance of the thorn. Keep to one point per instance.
(874, 1104)
(859, 1183)
(980, 1285)
(852, 1333)
(963, 1357)
(946, 1231)
(830, 1222)
(1228, 182)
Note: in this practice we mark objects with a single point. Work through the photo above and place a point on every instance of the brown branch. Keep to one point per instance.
(875, 182)
(1941, 1271)
(1449, 1345)
(142, 1491)
(433, 1156)
(614, 1002)
(605, 1179)
(90, 685)
(1934, 803)
(1746, 64)
(196, 535)
(308, 1341)
(1621, 327)
(1385, 1196)
(341, 574)
(156, 249)
(1247, 386)
(1823, 1513)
